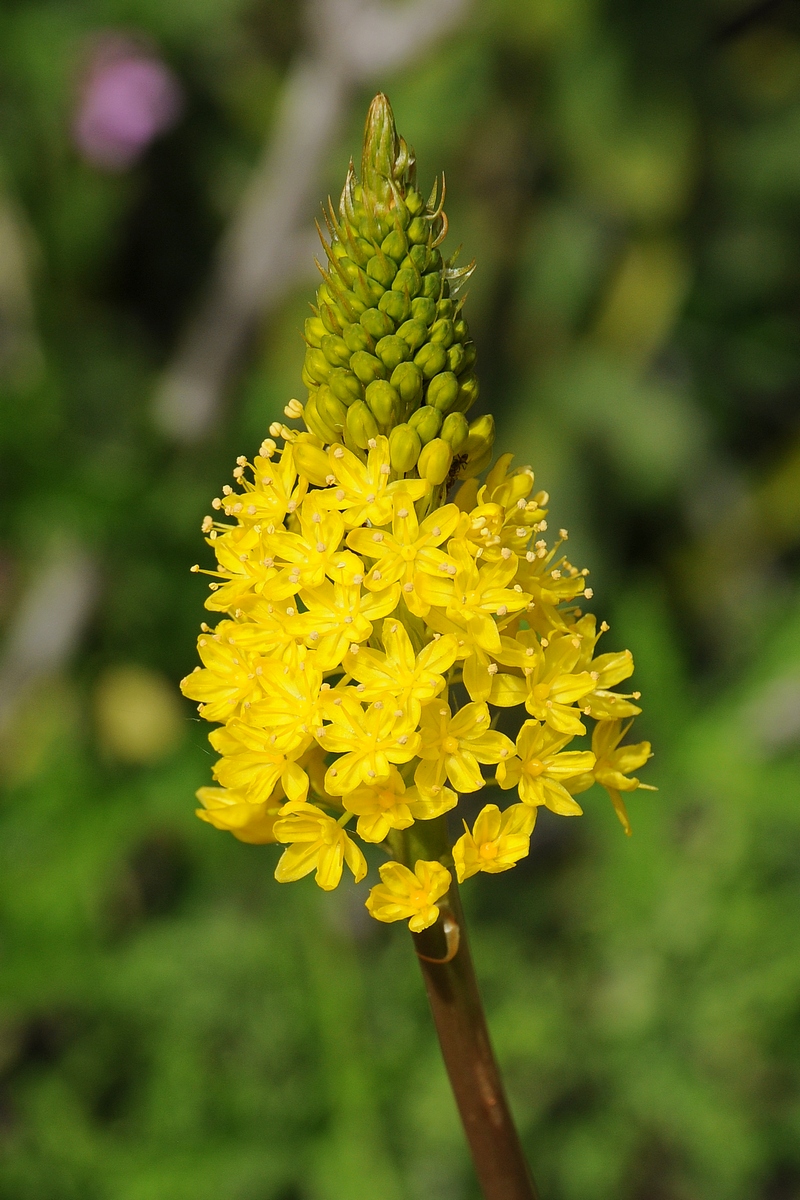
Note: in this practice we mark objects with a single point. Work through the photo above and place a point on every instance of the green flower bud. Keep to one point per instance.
(367, 367)
(335, 350)
(414, 332)
(377, 323)
(314, 421)
(431, 359)
(345, 386)
(470, 354)
(392, 350)
(468, 389)
(355, 337)
(434, 461)
(424, 309)
(461, 329)
(368, 290)
(455, 431)
(382, 268)
(407, 378)
(395, 245)
(314, 331)
(317, 365)
(445, 308)
(396, 305)
(442, 332)
(427, 422)
(417, 231)
(407, 279)
(384, 402)
(481, 434)
(431, 285)
(417, 257)
(308, 380)
(456, 358)
(404, 448)
(414, 203)
(330, 409)
(443, 388)
(360, 424)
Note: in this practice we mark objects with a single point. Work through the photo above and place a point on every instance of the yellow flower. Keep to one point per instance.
(614, 764)
(452, 746)
(253, 823)
(405, 894)
(497, 841)
(317, 842)
(474, 597)
(337, 616)
(363, 491)
(541, 765)
(245, 569)
(292, 704)
(274, 491)
(228, 679)
(315, 551)
(387, 804)
(251, 764)
(398, 673)
(498, 518)
(368, 741)
(550, 687)
(408, 549)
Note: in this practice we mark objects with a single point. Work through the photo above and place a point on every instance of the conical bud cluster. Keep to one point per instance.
(389, 350)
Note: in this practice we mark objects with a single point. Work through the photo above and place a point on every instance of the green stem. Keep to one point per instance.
(446, 962)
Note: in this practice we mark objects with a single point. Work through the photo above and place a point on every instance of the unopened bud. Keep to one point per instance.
(312, 461)
(443, 391)
(427, 422)
(407, 378)
(315, 422)
(404, 448)
(468, 390)
(431, 359)
(360, 424)
(434, 461)
(384, 402)
(331, 409)
(345, 386)
(455, 431)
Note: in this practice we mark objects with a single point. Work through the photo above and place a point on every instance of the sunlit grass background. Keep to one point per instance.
(173, 1024)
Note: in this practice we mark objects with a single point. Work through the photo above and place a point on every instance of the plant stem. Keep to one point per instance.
(446, 962)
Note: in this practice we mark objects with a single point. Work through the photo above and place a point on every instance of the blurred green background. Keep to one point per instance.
(173, 1024)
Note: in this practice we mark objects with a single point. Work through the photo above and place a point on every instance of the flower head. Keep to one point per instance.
(367, 577)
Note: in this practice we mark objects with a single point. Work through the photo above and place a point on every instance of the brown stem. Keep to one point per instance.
(444, 956)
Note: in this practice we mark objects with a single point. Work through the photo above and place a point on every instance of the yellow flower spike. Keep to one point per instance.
(368, 741)
(497, 841)
(614, 764)
(232, 811)
(409, 895)
(363, 492)
(399, 674)
(388, 804)
(541, 766)
(316, 843)
(451, 747)
(337, 616)
(410, 548)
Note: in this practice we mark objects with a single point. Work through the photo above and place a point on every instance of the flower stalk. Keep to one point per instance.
(449, 975)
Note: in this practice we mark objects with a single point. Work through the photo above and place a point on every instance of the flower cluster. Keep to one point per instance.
(379, 616)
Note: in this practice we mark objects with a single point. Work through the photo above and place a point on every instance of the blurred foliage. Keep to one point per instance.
(174, 1024)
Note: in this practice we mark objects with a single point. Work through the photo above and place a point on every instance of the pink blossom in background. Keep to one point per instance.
(128, 97)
